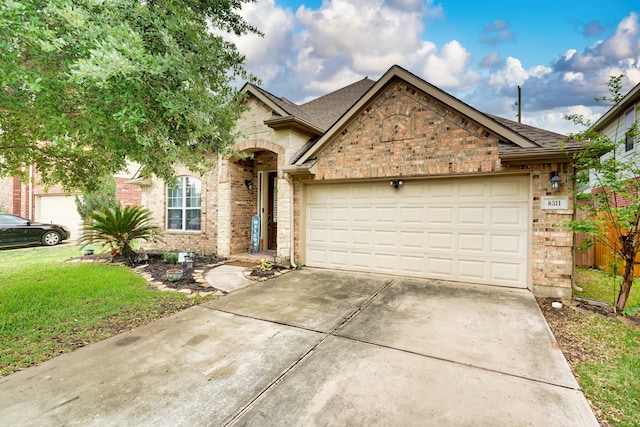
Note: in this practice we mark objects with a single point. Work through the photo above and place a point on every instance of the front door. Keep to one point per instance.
(272, 211)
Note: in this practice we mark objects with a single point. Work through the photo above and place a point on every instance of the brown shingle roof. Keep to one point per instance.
(326, 110)
(519, 141)
(545, 141)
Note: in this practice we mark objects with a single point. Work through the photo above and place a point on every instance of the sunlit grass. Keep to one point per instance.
(610, 371)
(604, 287)
(49, 306)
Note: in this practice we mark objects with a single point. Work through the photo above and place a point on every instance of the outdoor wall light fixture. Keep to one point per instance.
(555, 180)
(248, 184)
(395, 183)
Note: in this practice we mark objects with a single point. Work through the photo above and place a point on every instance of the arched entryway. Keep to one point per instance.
(254, 192)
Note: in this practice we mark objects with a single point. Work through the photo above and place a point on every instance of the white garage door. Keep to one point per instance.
(466, 229)
(59, 210)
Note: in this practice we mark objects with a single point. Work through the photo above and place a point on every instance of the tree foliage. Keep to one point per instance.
(102, 197)
(87, 84)
(612, 207)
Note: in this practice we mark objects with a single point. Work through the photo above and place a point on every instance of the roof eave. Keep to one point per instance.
(293, 122)
(306, 169)
(249, 88)
(546, 156)
(629, 99)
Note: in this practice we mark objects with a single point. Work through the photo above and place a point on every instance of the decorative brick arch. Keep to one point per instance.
(253, 145)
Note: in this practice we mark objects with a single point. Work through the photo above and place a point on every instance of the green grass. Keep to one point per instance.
(49, 306)
(609, 369)
(601, 286)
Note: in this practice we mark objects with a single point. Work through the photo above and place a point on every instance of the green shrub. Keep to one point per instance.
(170, 257)
(118, 228)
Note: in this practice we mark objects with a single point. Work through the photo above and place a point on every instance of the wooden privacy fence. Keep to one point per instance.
(601, 256)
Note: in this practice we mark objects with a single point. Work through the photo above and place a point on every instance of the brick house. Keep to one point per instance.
(52, 205)
(392, 176)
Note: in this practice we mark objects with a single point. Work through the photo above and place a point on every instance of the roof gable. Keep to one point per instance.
(620, 108)
(499, 128)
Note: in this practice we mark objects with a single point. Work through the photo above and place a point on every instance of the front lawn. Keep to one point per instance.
(601, 286)
(49, 306)
(602, 350)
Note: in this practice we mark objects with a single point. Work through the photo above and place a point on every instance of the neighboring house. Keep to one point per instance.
(392, 176)
(615, 125)
(31, 200)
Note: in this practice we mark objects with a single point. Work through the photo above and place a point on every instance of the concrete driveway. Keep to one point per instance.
(317, 347)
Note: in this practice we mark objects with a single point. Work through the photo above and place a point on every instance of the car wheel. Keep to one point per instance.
(50, 238)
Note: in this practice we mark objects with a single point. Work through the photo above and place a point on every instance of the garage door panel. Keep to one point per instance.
(339, 236)
(508, 216)
(463, 229)
(474, 190)
(440, 190)
(339, 259)
(473, 270)
(472, 242)
(441, 241)
(385, 215)
(439, 267)
(317, 256)
(412, 265)
(440, 216)
(361, 237)
(508, 245)
(361, 214)
(504, 272)
(385, 239)
(386, 263)
(317, 235)
(410, 192)
(339, 214)
(411, 215)
(411, 240)
(473, 216)
(509, 190)
(317, 214)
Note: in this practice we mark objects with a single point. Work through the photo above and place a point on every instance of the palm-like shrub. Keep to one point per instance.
(117, 229)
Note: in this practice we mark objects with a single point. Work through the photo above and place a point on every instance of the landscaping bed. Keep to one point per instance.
(157, 267)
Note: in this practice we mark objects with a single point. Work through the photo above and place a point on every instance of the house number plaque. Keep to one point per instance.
(555, 203)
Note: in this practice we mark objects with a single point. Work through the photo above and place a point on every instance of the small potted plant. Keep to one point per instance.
(173, 274)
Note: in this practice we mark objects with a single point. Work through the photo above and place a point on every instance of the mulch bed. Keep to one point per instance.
(560, 321)
(256, 272)
(157, 267)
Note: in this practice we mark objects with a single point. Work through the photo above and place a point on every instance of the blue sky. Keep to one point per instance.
(560, 52)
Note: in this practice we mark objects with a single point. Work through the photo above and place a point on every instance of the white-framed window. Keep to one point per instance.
(184, 203)
(629, 120)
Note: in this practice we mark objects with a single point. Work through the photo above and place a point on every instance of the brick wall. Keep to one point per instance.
(128, 194)
(153, 197)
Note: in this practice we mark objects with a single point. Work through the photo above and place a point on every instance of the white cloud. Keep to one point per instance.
(571, 76)
(316, 51)
(449, 69)
(266, 55)
(513, 74)
(623, 43)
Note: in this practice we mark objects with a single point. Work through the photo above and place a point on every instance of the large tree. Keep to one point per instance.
(86, 85)
(612, 207)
